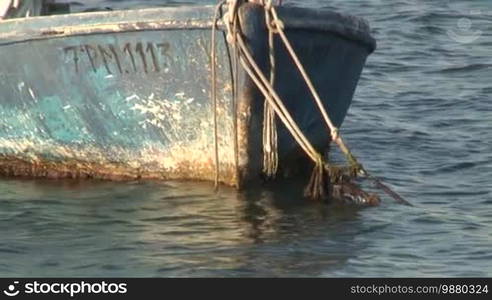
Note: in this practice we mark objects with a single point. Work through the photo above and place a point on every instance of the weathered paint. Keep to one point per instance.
(126, 95)
(127, 103)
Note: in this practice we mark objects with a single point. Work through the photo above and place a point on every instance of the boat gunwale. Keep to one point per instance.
(294, 18)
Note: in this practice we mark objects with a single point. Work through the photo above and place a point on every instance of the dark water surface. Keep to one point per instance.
(421, 119)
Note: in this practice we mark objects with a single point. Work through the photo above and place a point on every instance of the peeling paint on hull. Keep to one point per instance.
(103, 95)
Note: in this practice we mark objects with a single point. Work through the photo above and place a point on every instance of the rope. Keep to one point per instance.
(214, 95)
(271, 95)
(334, 132)
(316, 189)
(236, 96)
(280, 29)
(270, 143)
(233, 71)
(320, 176)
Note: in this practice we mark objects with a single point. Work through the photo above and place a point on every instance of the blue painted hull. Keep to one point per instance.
(126, 95)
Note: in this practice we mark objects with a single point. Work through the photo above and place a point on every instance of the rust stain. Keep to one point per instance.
(52, 32)
(74, 169)
(62, 31)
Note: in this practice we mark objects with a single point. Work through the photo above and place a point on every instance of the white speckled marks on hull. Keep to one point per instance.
(123, 106)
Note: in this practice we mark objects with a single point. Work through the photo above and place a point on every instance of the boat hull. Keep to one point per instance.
(126, 95)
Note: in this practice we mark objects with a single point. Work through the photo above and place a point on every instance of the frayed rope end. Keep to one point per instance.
(319, 185)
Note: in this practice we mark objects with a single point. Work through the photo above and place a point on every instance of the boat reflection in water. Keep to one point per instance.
(169, 229)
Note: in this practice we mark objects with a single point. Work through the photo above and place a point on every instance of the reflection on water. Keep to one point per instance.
(173, 229)
(91, 228)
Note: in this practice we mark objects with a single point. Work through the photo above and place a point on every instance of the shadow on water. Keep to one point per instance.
(295, 236)
(90, 228)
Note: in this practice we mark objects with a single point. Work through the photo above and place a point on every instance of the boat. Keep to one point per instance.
(126, 95)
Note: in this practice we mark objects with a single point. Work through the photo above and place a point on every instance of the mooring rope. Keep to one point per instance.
(270, 140)
(272, 97)
(214, 94)
(317, 188)
(319, 180)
